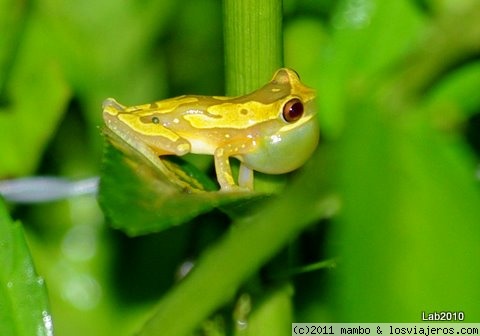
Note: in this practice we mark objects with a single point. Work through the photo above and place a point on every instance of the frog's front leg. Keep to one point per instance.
(224, 171)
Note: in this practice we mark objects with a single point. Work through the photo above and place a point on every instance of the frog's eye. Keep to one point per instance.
(155, 120)
(292, 110)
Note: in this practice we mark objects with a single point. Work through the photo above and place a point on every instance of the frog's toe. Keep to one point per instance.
(234, 188)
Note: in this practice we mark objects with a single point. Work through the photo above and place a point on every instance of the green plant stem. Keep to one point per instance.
(225, 266)
(253, 43)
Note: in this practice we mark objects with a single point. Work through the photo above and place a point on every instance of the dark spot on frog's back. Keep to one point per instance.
(244, 111)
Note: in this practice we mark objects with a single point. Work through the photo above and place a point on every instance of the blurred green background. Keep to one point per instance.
(381, 225)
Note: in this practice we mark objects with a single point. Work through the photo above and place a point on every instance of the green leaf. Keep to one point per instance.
(141, 197)
(108, 49)
(409, 226)
(12, 21)
(23, 299)
(409, 229)
(358, 52)
(456, 97)
(34, 100)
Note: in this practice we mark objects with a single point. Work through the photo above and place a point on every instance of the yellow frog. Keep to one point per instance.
(272, 130)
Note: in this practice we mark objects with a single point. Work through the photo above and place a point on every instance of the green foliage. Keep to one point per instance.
(391, 193)
(27, 74)
(23, 296)
(154, 198)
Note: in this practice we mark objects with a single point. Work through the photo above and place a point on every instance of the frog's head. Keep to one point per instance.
(290, 139)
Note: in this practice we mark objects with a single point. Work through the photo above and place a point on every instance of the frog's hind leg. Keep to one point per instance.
(169, 144)
(111, 106)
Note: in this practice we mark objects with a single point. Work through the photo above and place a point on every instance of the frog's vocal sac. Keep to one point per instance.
(273, 130)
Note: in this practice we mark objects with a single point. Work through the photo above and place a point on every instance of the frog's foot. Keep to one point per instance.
(111, 104)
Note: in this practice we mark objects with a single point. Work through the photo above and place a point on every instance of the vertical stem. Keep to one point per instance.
(253, 43)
